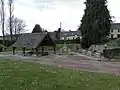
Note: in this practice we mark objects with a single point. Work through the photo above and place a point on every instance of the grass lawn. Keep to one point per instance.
(28, 76)
(17, 49)
(58, 47)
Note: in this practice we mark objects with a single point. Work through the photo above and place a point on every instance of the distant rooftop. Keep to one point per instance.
(115, 26)
(70, 33)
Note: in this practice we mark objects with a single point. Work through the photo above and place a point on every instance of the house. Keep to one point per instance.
(70, 35)
(115, 30)
(35, 41)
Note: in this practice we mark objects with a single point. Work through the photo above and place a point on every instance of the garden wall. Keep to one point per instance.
(112, 53)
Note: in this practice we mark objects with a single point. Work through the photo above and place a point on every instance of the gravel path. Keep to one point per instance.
(80, 62)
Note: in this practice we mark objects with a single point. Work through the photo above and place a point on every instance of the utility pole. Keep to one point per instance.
(60, 28)
(60, 25)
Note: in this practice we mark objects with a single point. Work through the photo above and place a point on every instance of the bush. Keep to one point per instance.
(111, 53)
(114, 43)
(7, 42)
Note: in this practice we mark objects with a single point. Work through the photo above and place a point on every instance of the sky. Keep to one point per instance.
(49, 13)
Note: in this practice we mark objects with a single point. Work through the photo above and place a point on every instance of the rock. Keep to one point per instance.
(89, 53)
(84, 52)
(97, 55)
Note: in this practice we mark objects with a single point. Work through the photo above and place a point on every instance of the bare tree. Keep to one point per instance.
(3, 19)
(19, 26)
(10, 5)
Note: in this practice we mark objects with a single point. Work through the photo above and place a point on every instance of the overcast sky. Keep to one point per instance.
(49, 13)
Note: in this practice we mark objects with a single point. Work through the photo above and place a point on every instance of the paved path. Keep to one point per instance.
(75, 62)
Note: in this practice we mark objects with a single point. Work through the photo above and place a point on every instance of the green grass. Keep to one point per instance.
(28, 76)
(17, 49)
(58, 47)
(72, 46)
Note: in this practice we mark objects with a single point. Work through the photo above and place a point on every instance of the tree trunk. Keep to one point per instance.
(3, 31)
(11, 36)
(15, 32)
(3, 21)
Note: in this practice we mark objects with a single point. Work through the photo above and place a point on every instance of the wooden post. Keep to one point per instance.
(42, 49)
(24, 51)
(14, 50)
(54, 47)
(36, 51)
(77, 48)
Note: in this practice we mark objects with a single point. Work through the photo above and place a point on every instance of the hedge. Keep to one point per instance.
(76, 41)
(7, 42)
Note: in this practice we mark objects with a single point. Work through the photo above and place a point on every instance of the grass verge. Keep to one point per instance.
(19, 75)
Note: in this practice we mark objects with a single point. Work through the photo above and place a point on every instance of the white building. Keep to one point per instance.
(114, 33)
(115, 30)
(70, 35)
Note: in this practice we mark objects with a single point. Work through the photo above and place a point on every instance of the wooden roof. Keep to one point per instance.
(31, 40)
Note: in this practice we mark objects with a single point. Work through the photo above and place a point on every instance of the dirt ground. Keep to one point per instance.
(79, 62)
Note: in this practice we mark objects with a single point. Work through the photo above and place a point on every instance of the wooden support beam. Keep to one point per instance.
(24, 48)
(14, 50)
(42, 49)
(36, 51)
(54, 47)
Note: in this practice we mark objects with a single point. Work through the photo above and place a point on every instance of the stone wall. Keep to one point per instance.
(112, 53)
(97, 48)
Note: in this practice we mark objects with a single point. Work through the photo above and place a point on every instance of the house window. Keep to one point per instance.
(75, 35)
(111, 30)
(118, 36)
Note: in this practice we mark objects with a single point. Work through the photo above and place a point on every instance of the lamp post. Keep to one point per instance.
(65, 39)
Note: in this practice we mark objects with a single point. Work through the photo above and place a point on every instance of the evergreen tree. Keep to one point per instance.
(96, 23)
(37, 29)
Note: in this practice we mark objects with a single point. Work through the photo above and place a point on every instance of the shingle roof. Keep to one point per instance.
(52, 35)
(31, 40)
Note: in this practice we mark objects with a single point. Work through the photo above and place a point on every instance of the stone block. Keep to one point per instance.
(89, 53)
(97, 55)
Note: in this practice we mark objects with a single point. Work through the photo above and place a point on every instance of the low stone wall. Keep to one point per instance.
(112, 53)
(97, 48)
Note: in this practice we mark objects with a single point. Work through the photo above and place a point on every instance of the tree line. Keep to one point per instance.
(11, 25)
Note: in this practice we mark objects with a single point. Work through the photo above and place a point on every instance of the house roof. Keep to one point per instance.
(31, 40)
(70, 33)
(52, 35)
(115, 26)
